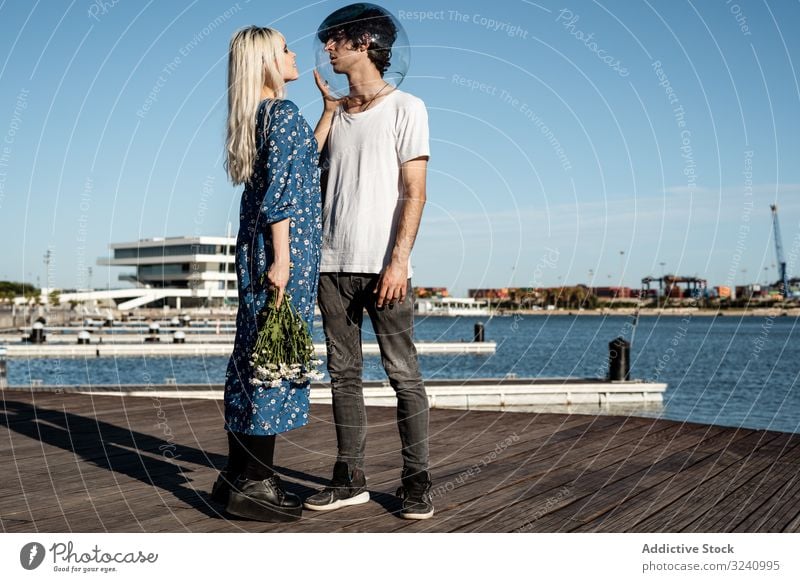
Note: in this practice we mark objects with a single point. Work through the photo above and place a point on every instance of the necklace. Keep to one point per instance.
(364, 107)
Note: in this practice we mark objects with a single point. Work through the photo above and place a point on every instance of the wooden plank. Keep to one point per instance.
(128, 470)
(581, 479)
(618, 471)
(115, 490)
(700, 499)
(383, 485)
(741, 490)
(629, 502)
(489, 490)
(49, 440)
(137, 496)
(781, 511)
(122, 457)
(384, 478)
(793, 526)
(652, 496)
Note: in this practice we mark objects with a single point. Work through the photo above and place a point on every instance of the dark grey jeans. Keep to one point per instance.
(342, 299)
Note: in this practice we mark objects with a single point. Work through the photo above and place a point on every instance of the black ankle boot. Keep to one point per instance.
(221, 490)
(264, 501)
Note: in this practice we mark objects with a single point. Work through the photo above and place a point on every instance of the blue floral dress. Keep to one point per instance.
(285, 184)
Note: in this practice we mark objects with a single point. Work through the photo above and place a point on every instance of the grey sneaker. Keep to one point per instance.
(416, 495)
(345, 489)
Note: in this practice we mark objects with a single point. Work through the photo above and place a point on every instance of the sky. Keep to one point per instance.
(571, 142)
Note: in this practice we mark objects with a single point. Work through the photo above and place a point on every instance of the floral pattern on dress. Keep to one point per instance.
(285, 184)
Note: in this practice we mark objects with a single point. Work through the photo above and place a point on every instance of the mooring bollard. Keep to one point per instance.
(179, 337)
(3, 368)
(37, 333)
(154, 331)
(619, 360)
(84, 338)
(479, 332)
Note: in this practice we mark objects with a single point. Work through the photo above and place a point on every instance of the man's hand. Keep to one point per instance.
(393, 281)
(392, 285)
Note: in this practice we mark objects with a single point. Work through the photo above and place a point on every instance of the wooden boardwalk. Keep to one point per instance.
(87, 463)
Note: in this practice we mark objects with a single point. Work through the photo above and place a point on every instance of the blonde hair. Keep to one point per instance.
(252, 64)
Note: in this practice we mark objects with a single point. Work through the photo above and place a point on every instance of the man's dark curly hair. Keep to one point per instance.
(362, 24)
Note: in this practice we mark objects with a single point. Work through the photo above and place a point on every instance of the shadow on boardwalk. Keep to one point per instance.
(102, 463)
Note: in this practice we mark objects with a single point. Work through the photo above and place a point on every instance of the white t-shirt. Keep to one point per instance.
(363, 199)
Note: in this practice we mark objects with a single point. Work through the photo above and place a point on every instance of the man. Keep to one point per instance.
(377, 150)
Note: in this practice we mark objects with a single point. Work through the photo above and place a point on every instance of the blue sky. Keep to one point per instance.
(567, 138)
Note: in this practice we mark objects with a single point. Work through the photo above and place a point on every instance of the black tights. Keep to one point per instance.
(251, 455)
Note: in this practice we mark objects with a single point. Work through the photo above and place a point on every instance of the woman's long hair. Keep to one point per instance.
(252, 64)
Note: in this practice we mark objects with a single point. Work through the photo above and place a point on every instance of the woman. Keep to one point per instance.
(272, 151)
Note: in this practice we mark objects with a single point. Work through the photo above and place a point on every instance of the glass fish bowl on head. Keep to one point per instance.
(352, 28)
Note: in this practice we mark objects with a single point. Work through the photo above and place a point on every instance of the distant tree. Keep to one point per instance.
(577, 297)
(25, 289)
(551, 297)
(54, 296)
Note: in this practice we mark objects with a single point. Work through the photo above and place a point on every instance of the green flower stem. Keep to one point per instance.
(283, 338)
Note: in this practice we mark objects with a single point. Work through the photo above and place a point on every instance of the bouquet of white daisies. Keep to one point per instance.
(283, 350)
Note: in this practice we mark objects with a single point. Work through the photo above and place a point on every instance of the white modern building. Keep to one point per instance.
(175, 271)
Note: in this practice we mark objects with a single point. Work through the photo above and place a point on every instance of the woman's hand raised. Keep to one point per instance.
(330, 103)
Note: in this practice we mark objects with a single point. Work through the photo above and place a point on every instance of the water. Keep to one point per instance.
(730, 371)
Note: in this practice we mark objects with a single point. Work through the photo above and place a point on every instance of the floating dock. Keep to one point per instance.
(166, 348)
(587, 395)
(89, 463)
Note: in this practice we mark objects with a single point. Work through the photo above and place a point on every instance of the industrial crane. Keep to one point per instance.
(783, 282)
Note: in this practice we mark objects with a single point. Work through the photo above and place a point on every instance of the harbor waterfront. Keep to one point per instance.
(400, 268)
(730, 371)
